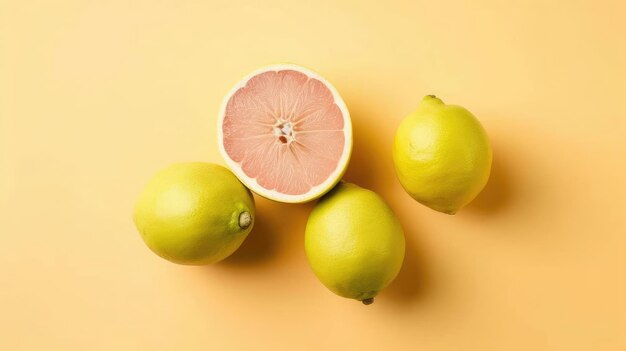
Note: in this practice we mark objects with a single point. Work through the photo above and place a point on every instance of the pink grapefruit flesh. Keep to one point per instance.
(286, 133)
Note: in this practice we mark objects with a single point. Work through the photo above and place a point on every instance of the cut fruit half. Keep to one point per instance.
(286, 133)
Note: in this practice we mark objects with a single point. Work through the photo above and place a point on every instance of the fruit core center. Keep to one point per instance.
(284, 131)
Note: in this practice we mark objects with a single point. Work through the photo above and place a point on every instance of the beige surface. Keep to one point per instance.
(95, 96)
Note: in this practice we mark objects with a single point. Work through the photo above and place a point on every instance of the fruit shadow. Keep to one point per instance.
(414, 280)
(274, 226)
(260, 244)
(497, 194)
(366, 160)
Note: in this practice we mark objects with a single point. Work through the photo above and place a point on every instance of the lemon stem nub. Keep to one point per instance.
(368, 301)
(245, 220)
(431, 100)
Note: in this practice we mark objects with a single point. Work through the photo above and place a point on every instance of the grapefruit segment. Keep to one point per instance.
(286, 133)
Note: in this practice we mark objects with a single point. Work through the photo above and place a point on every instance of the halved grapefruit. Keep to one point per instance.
(286, 133)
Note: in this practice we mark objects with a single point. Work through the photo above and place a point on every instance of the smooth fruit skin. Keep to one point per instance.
(442, 155)
(194, 213)
(354, 242)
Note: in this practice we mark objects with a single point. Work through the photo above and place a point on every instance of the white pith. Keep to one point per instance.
(284, 129)
(315, 191)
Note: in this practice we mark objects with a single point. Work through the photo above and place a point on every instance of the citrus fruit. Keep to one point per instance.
(286, 133)
(442, 155)
(194, 213)
(354, 242)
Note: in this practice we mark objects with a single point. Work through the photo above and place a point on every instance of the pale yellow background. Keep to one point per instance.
(95, 96)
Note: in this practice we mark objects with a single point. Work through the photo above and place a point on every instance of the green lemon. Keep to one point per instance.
(354, 242)
(194, 213)
(442, 155)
